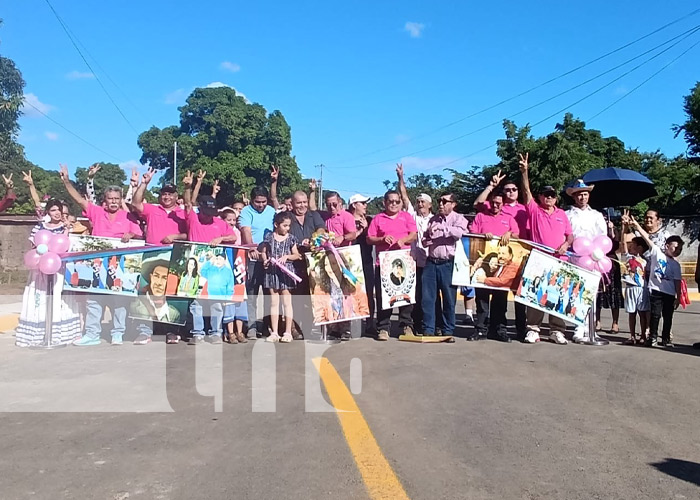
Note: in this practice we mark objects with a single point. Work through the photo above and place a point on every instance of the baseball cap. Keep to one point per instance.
(358, 197)
(424, 197)
(548, 189)
(207, 205)
(168, 188)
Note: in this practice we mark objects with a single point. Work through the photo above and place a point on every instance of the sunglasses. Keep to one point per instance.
(549, 195)
(332, 204)
(393, 202)
(510, 190)
(445, 201)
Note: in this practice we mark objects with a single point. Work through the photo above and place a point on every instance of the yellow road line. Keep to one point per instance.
(8, 322)
(379, 478)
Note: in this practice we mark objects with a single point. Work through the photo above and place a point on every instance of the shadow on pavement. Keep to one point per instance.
(681, 469)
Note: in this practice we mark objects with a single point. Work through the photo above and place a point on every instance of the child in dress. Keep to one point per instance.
(282, 247)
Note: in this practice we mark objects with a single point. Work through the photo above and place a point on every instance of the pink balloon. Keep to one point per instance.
(583, 246)
(42, 237)
(31, 259)
(603, 242)
(49, 263)
(604, 265)
(60, 243)
(586, 262)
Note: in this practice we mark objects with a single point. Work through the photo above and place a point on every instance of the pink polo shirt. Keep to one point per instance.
(398, 226)
(518, 211)
(204, 233)
(161, 222)
(548, 229)
(497, 225)
(111, 225)
(341, 224)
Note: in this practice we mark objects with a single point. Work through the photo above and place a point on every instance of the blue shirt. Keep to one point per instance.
(258, 222)
(219, 280)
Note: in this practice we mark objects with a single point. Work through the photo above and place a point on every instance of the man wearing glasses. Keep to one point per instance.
(440, 238)
(549, 226)
(512, 207)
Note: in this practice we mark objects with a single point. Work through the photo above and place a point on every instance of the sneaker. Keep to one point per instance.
(473, 337)
(172, 338)
(669, 345)
(288, 337)
(117, 340)
(142, 339)
(407, 330)
(87, 341)
(252, 333)
(196, 339)
(383, 335)
(273, 337)
(213, 339)
(651, 342)
(558, 338)
(531, 337)
(345, 336)
(578, 338)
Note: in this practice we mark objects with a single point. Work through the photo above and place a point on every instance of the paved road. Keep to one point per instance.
(463, 420)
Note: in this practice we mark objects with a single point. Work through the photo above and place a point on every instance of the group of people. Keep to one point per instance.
(277, 235)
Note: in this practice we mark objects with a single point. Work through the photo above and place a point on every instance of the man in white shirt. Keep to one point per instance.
(587, 222)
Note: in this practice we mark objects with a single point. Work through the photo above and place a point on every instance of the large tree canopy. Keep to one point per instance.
(232, 140)
(691, 128)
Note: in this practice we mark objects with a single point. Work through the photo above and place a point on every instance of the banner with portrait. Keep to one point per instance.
(199, 270)
(557, 287)
(397, 272)
(337, 285)
(482, 263)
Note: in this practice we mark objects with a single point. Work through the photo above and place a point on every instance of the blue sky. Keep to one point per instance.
(351, 78)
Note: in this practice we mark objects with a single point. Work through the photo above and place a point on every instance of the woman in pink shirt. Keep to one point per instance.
(392, 229)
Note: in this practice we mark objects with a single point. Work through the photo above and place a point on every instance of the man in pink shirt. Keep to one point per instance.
(444, 230)
(393, 229)
(512, 207)
(490, 224)
(339, 221)
(549, 226)
(114, 222)
(205, 227)
(165, 222)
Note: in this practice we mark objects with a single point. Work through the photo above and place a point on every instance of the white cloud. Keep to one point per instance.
(414, 29)
(33, 107)
(229, 66)
(79, 75)
(176, 96)
(52, 136)
(421, 164)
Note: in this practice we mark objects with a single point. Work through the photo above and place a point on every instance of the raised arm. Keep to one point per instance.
(524, 168)
(312, 196)
(402, 186)
(623, 240)
(195, 191)
(628, 219)
(137, 200)
(274, 176)
(77, 197)
(493, 184)
(133, 184)
(27, 177)
(187, 181)
(215, 189)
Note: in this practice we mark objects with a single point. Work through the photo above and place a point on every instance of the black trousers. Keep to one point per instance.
(384, 316)
(520, 320)
(661, 305)
(491, 305)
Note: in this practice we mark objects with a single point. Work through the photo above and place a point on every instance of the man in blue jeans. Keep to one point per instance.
(444, 230)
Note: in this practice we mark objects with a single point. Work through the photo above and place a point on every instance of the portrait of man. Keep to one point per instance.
(398, 275)
(152, 303)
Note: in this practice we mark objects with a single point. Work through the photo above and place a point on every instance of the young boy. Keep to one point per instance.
(636, 297)
(663, 282)
(235, 313)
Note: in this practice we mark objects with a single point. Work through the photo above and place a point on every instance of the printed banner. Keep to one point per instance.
(88, 243)
(557, 287)
(397, 272)
(482, 263)
(337, 286)
(198, 270)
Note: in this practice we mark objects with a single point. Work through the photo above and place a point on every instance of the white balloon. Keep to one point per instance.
(597, 254)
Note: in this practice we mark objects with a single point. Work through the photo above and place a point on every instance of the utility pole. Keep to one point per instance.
(320, 187)
(175, 164)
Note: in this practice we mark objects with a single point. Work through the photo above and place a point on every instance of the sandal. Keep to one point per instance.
(614, 330)
(241, 338)
(172, 338)
(273, 337)
(287, 338)
(631, 341)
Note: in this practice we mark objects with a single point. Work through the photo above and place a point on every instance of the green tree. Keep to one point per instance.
(691, 127)
(109, 174)
(232, 140)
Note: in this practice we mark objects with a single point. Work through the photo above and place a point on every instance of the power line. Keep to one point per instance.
(682, 37)
(97, 78)
(525, 92)
(72, 133)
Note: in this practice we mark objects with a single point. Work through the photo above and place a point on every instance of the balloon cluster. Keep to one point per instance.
(44, 256)
(592, 253)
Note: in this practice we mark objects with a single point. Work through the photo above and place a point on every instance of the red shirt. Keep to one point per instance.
(111, 225)
(204, 233)
(497, 225)
(398, 226)
(161, 223)
(548, 229)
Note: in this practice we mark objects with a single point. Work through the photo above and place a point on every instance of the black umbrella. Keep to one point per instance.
(618, 187)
